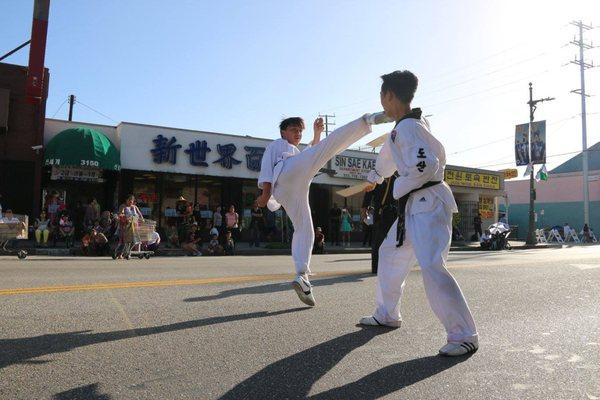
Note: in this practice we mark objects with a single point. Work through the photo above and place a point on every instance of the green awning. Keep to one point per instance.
(82, 147)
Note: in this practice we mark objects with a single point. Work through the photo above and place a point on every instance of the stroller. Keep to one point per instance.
(10, 232)
(499, 240)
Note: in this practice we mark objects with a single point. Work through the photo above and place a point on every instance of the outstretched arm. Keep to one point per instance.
(318, 128)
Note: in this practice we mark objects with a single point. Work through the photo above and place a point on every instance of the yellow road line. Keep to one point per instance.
(179, 282)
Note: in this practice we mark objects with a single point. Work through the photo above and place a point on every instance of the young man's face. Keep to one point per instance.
(387, 99)
(293, 134)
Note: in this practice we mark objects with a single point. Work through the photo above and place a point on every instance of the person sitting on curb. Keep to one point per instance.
(229, 246)
(154, 241)
(319, 246)
(192, 242)
(214, 248)
(66, 230)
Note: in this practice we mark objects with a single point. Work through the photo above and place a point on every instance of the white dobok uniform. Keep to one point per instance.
(291, 171)
(419, 158)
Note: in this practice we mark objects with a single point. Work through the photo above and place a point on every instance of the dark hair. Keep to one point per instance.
(402, 83)
(292, 121)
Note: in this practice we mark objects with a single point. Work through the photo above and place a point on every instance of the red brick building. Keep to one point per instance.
(20, 132)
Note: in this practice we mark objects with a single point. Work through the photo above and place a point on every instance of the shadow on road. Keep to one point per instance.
(82, 392)
(279, 287)
(294, 376)
(24, 350)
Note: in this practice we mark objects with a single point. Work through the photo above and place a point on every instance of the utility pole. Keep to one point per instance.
(581, 91)
(532, 107)
(328, 121)
(71, 103)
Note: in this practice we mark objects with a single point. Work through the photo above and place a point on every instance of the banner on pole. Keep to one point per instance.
(538, 142)
(522, 144)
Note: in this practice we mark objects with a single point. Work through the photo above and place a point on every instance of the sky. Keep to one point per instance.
(239, 67)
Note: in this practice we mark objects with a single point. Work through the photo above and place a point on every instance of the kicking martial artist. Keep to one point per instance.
(422, 232)
(286, 174)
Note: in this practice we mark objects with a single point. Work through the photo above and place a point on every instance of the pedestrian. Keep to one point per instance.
(346, 227)
(422, 231)
(335, 222)
(256, 225)
(367, 225)
(218, 220)
(477, 226)
(384, 213)
(286, 175)
(232, 220)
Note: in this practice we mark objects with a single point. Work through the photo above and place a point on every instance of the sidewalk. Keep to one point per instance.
(243, 249)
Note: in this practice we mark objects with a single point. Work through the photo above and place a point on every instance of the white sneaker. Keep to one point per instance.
(377, 118)
(303, 289)
(371, 321)
(459, 349)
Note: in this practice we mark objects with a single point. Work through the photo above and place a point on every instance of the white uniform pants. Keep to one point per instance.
(428, 236)
(293, 183)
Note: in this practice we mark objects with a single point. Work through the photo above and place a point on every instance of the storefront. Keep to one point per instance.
(162, 165)
(80, 164)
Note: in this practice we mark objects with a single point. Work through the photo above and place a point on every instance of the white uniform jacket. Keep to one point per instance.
(272, 164)
(418, 157)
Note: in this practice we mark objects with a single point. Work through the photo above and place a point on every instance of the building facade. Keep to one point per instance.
(159, 165)
(559, 200)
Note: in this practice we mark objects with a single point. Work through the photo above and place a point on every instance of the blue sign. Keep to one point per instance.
(254, 157)
(165, 150)
(226, 152)
(197, 152)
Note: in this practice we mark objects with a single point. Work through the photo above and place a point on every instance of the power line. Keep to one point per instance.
(59, 107)
(96, 111)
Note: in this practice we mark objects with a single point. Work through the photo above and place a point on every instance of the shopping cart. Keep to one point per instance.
(134, 233)
(11, 232)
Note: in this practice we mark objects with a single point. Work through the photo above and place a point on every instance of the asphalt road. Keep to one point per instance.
(232, 328)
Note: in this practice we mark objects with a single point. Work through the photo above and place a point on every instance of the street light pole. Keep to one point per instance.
(532, 107)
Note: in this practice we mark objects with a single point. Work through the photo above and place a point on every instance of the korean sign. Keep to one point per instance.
(472, 179)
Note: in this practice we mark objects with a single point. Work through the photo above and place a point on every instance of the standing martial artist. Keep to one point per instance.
(423, 229)
(286, 174)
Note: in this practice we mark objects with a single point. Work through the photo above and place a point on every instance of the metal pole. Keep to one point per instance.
(530, 234)
(71, 102)
(586, 193)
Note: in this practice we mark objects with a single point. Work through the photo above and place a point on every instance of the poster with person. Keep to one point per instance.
(538, 142)
(522, 144)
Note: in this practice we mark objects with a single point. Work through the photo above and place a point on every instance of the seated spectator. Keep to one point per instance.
(154, 241)
(42, 229)
(66, 230)
(9, 218)
(486, 240)
(214, 248)
(587, 237)
(319, 246)
(172, 236)
(229, 244)
(99, 243)
(86, 243)
(192, 242)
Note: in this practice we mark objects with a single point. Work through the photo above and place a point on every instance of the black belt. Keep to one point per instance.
(401, 228)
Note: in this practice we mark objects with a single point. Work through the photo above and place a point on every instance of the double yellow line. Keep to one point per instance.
(177, 282)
